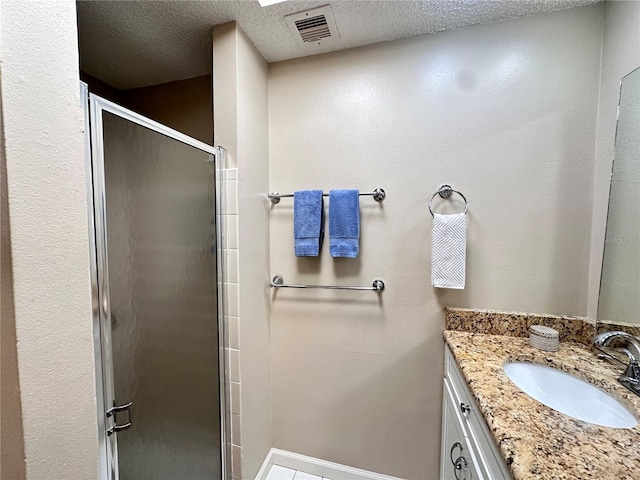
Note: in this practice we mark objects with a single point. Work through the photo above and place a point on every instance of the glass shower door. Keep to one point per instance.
(158, 292)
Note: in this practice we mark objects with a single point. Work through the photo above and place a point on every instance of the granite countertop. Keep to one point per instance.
(536, 441)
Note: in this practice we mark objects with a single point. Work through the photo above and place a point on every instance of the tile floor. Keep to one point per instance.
(282, 473)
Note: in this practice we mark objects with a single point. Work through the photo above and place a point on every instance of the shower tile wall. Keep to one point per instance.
(233, 323)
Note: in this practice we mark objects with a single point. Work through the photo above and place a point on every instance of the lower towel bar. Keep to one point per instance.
(278, 282)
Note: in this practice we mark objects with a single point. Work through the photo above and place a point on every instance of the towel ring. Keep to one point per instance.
(445, 191)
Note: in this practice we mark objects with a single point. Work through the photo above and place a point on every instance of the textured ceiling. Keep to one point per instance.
(137, 43)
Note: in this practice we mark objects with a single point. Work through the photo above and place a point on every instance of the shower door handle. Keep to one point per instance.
(112, 413)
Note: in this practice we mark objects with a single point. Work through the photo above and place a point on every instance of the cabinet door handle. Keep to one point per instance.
(461, 466)
(464, 408)
(453, 447)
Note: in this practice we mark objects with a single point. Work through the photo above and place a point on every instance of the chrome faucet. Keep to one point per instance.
(631, 376)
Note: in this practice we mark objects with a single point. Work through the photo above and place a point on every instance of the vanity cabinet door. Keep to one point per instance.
(457, 459)
(489, 459)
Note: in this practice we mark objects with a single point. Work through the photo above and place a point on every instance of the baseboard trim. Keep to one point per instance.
(315, 466)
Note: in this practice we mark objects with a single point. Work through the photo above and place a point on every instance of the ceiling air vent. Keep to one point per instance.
(313, 27)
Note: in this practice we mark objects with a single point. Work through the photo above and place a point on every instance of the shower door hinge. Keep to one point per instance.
(112, 413)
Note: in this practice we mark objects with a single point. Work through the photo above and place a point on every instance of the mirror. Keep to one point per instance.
(619, 299)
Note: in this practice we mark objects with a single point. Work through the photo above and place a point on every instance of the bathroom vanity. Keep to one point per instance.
(468, 451)
(492, 430)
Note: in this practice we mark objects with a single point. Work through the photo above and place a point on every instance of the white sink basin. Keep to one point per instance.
(569, 395)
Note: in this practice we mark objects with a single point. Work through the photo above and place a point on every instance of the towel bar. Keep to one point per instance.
(278, 282)
(378, 195)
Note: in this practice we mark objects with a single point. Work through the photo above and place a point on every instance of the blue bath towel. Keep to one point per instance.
(344, 223)
(308, 222)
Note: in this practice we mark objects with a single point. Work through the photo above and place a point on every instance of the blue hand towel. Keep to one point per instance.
(344, 223)
(308, 222)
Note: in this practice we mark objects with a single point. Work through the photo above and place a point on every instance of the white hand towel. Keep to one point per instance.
(448, 251)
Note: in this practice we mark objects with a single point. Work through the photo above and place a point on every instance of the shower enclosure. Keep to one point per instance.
(157, 258)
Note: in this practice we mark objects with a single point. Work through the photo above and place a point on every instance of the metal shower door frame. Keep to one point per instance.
(94, 107)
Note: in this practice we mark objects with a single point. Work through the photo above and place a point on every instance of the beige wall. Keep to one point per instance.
(103, 89)
(12, 466)
(506, 113)
(241, 119)
(44, 151)
(620, 55)
(253, 244)
(185, 105)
